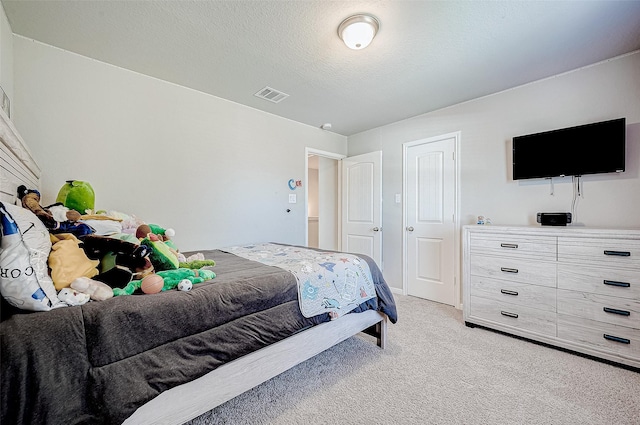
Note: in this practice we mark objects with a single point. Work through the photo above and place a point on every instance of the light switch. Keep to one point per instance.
(398, 198)
(292, 198)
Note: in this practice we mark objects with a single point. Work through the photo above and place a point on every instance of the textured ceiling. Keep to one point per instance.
(427, 54)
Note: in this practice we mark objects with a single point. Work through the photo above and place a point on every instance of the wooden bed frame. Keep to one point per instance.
(17, 166)
(187, 401)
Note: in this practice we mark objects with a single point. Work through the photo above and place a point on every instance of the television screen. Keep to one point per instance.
(575, 151)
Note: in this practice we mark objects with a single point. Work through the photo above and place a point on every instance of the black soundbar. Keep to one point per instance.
(554, 219)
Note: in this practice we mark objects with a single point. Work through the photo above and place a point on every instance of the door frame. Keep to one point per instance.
(326, 154)
(456, 208)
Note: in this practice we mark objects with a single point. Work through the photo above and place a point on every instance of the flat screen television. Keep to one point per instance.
(574, 151)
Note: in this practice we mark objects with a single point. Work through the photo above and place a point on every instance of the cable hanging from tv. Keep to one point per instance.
(578, 191)
(551, 188)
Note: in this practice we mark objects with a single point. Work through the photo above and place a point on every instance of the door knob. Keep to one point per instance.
(376, 229)
(410, 229)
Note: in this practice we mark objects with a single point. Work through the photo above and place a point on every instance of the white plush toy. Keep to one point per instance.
(72, 297)
(98, 291)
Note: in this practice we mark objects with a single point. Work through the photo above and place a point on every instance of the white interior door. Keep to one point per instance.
(430, 219)
(362, 205)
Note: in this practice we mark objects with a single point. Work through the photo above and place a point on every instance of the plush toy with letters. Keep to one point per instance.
(24, 248)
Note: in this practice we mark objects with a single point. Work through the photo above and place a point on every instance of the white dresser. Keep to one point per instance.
(572, 287)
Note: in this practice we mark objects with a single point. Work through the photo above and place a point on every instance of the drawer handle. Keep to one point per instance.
(616, 311)
(614, 283)
(506, 313)
(616, 339)
(508, 270)
(507, 292)
(618, 253)
(509, 245)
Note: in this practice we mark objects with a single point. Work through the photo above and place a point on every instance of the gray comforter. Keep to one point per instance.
(99, 362)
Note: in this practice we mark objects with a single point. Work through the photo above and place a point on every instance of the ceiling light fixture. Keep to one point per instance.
(357, 31)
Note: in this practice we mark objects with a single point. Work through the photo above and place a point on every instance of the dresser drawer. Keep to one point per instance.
(621, 283)
(611, 338)
(601, 308)
(592, 276)
(532, 247)
(624, 253)
(531, 319)
(514, 270)
(521, 294)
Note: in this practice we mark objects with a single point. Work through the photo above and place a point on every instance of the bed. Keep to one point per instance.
(168, 357)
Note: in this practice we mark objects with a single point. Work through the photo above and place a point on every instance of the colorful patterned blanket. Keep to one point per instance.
(327, 281)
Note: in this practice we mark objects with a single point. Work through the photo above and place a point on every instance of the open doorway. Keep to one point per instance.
(323, 199)
(313, 229)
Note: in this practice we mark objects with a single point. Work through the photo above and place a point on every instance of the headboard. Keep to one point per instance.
(17, 165)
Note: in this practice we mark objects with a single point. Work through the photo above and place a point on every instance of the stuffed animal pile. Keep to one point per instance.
(65, 254)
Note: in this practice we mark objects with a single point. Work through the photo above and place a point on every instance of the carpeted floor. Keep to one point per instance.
(435, 370)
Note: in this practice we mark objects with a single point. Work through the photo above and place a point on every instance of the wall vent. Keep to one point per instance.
(271, 95)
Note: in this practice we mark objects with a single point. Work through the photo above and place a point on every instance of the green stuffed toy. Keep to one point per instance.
(161, 256)
(173, 277)
(171, 280)
(196, 264)
(77, 195)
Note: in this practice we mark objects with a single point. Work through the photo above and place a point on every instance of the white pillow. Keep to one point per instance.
(24, 250)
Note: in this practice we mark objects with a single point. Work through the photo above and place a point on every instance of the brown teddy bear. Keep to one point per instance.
(31, 200)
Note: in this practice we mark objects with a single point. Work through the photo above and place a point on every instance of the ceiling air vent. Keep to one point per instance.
(271, 95)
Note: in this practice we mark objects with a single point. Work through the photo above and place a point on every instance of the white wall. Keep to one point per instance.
(6, 56)
(607, 90)
(214, 170)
